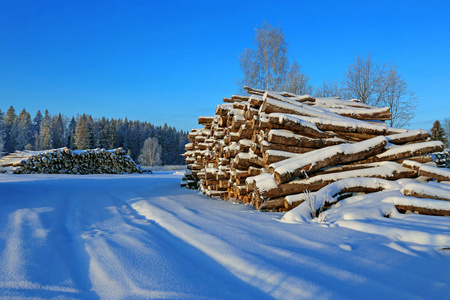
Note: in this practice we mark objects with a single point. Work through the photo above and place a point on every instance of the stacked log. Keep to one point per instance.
(66, 161)
(264, 147)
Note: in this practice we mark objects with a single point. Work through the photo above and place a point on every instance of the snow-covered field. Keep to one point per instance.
(142, 236)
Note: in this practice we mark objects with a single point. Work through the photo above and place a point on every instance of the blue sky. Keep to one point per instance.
(172, 61)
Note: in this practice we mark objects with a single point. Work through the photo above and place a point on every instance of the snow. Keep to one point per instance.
(332, 102)
(394, 150)
(436, 191)
(406, 134)
(302, 160)
(352, 125)
(376, 213)
(445, 172)
(141, 236)
(263, 182)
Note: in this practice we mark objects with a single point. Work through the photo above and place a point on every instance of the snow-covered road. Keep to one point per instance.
(142, 236)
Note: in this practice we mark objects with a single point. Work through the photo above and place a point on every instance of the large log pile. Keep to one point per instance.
(261, 148)
(66, 161)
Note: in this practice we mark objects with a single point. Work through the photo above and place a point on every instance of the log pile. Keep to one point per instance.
(66, 161)
(262, 148)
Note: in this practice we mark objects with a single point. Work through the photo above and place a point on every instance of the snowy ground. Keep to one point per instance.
(142, 236)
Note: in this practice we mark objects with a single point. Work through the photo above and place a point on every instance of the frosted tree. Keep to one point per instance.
(297, 82)
(399, 98)
(58, 131)
(45, 136)
(24, 130)
(376, 84)
(364, 80)
(267, 66)
(2, 144)
(438, 133)
(10, 138)
(83, 134)
(447, 130)
(37, 120)
(150, 153)
(328, 88)
(2, 132)
(110, 135)
(71, 133)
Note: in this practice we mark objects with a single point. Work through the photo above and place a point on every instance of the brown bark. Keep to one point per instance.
(289, 138)
(328, 157)
(317, 182)
(272, 204)
(422, 210)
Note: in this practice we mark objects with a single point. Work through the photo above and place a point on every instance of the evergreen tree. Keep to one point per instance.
(83, 135)
(37, 120)
(45, 136)
(57, 131)
(110, 135)
(438, 133)
(24, 130)
(71, 133)
(2, 132)
(10, 139)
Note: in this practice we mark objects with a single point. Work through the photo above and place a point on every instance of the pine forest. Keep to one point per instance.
(19, 131)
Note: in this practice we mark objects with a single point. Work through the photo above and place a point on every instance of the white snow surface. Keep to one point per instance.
(142, 236)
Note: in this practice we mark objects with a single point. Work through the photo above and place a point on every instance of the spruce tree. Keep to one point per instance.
(438, 133)
(24, 129)
(71, 134)
(37, 120)
(45, 137)
(83, 134)
(57, 131)
(10, 139)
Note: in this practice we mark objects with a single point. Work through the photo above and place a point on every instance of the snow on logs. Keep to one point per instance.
(270, 148)
(66, 161)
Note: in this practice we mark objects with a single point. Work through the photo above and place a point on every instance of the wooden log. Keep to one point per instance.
(387, 170)
(239, 98)
(297, 125)
(440, 174)
(205, 120)
(405, 151)
(402, 208)
(289, 169)
(289, 138)
(408, 137)
(272, 204)
(264, 146)
(246, 160)
(378, 113)
(273, 156)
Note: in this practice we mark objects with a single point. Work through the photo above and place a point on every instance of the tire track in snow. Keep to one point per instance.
(24, 231)
(171, 256)
(269, 280)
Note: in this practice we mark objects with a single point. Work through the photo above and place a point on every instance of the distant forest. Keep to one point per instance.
(45, 131)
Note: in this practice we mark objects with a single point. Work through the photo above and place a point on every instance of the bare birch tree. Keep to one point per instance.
(150, 153)
(398, 98)
(376, 84)
(268, 65)
(364, 81)
(329, 88)
(297, 82)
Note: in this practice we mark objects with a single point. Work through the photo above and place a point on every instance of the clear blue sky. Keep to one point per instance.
(172, 61)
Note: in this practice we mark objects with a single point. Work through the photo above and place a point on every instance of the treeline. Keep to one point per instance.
(46, 131)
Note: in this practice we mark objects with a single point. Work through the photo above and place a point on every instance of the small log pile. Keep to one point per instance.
(264, 147)
(442, 159)
(66, 161)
